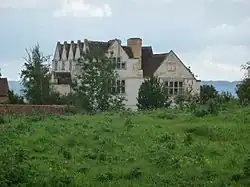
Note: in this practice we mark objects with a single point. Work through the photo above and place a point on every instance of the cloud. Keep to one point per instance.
(218, 62)
(23, 4)
(231, 33)
(78, 8)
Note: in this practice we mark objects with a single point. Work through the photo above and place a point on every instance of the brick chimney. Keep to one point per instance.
(135, 44)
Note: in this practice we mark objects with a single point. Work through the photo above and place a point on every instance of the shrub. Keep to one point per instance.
(246, 167)
(210, 107)
(207, 92)
(152, 95)
(2, 121)
(225, 96)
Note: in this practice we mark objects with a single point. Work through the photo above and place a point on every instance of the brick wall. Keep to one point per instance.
(8, 109)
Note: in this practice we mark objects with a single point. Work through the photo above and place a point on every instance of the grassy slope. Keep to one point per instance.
(150, 149)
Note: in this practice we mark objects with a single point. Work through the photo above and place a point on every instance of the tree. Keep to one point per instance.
(207, 92)
(243, 91)
(36, 77)
(152, 94)
(14, 98)
(243, 88)
(95, 85)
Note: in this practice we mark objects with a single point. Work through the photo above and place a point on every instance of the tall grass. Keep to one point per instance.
(159, 148)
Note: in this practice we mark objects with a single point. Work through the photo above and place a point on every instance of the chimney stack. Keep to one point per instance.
(135, 44)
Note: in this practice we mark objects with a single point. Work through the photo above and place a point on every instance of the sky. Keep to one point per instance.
(210, 36)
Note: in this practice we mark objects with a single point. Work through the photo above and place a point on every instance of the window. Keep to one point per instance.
(119, 87)
(119, 65)
(63, 65)
(123, 65)
(174, 87)
(123, 90)
(112, 88)
(55, 65)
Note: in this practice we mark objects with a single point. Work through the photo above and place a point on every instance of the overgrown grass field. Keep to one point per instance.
(159, 148)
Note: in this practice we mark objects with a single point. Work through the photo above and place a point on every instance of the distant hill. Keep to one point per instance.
(15, 86)
(219, 85)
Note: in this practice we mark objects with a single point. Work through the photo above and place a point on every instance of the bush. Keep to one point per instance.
(246, 167)
(210, 107)
(2, 121)
(207, 92)
(225, 97)
(152, 95)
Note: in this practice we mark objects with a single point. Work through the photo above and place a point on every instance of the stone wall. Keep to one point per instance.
(9, 109)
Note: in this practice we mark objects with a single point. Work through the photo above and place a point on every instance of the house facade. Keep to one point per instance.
(135, 62)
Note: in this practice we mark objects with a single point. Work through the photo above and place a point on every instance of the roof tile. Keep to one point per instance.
(129, 51)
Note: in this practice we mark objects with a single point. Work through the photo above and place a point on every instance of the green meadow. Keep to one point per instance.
(155, 148)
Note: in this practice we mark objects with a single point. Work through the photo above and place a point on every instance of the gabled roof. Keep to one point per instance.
(188, 69)
(93, 45)
(150, 61)
(129, 51)
(60, 49)
(98, 45)
(67, 47)
(74, 45)
(4, 87)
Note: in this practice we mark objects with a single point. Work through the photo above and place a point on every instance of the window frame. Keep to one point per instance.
(174, 87)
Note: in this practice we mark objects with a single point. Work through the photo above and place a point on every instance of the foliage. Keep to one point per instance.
(96, 85)
(36, 77)
(243, 88)
(152, 94)
(55, 98)
(14, 98)
(210, 107)
(243, 91)
(225, 97)
(207, 92)
(119, 149)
